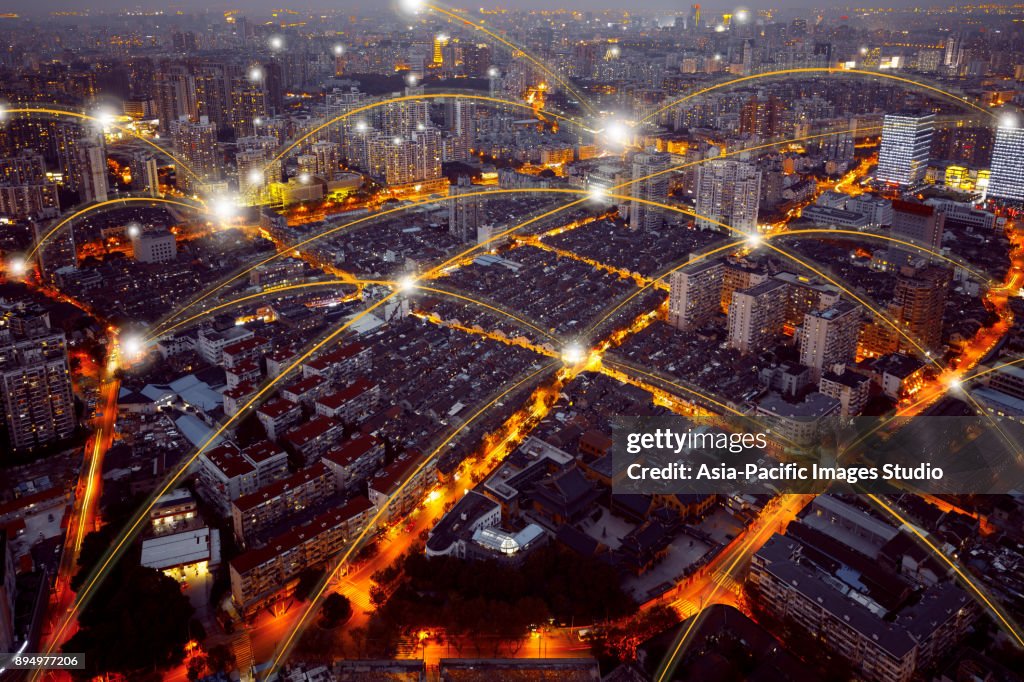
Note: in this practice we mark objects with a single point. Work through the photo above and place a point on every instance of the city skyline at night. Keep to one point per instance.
(322, 331)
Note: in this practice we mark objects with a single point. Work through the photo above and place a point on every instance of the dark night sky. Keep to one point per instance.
(257, 7)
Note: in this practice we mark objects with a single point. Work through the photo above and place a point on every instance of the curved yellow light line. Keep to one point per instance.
(956, 569)
(496, 237)
(536, 62)
(320, 235)
(412, 98)
(126, 535)
(314, 601)
(264, 293)
(982, 277)
(878, 314)
(109, 202)
(62, 112)
(818, 69)
(488, 306)
(713, 401)
(669, 663)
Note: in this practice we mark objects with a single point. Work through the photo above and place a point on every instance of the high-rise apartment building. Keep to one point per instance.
(728, 192)
(695, 294)
(248, 105)
(35, 381)
(174, 91)
(463, 214)
(906, 146)
(197, 145)
(829, 337)
(757, 316)
(92, 185)
(1007, 178)
(644, 216)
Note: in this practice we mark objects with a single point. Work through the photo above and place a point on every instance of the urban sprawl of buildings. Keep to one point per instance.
(314, 327)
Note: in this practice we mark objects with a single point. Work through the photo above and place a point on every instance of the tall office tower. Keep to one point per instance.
(762, 116)
(644, 216)
(196, 143)
(327, 160)
(174, 91)
(274, 86)
(906, 145)
(829, 337)
(248, 105)
(92, 165)
(952, 56)
(728, 191)
(59, 252)
(35, 383)
(695, 294)
(213, 96)
(476, 59)
(694, 23)
(145, 174)
(463, 214)
(1007, 178)
(437, 54)
(757, 316)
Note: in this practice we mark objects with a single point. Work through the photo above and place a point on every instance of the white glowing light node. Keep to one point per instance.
(17, 266)
(573, 354)
(132, 346)
(618, 132)
(407, 284)
(134, 231)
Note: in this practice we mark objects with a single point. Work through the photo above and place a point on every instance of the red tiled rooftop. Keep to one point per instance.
(246, 388)
(245, 345)
(338, 355)
(354, 390)
(392, 475)
(293, 538)
(277, 408)
(249, 365)
(230, 462)
(912, 207)
(267, 492)
(304, 385)
(350, 451)
(261, 451)
(314, 428)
